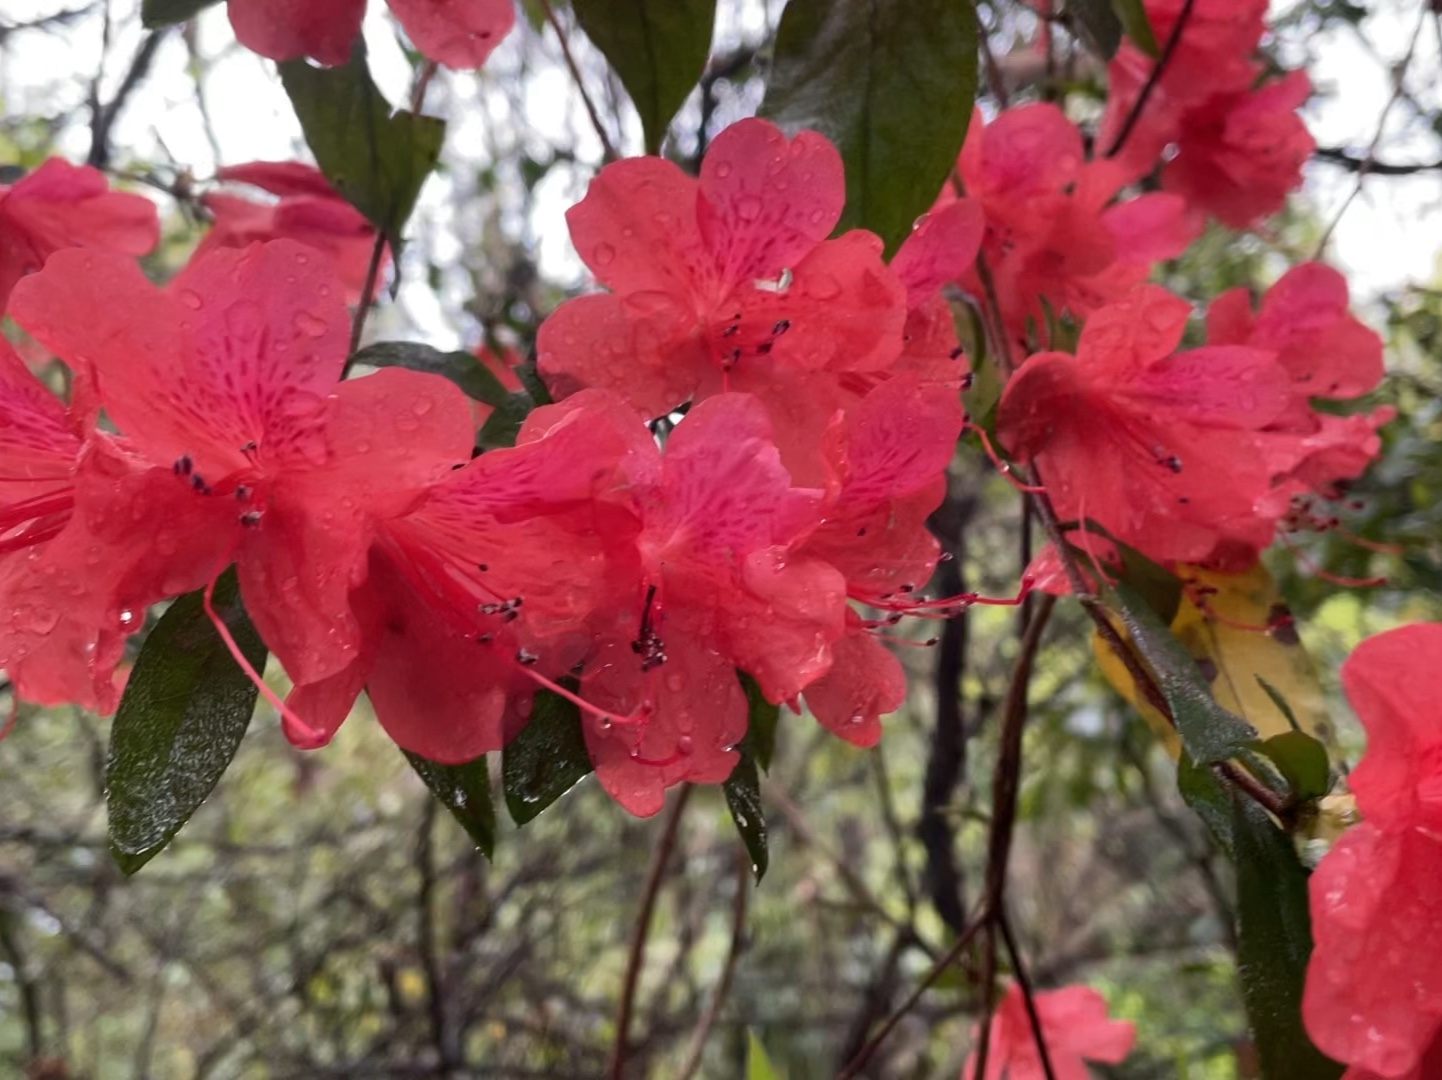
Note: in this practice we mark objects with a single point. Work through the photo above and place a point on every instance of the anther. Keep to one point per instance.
(198, 483)
(182, 466)
(250, 519)
(781, 328)
(525, 657)
(242, 493)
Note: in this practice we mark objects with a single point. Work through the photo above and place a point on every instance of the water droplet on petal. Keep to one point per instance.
(749, 208)
(603, 254)
(310, 325)
(191, 299)
(723, 170)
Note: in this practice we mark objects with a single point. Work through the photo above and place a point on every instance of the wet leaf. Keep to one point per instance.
(460, 367)
(761, 722)
(658, 48)
(186, 707)
(891, 83)
(1302, 761)
(464, 790)
(157, 13)
(547, 759)
(1274, 943)
(743, 798)
(1209, 732)
(377, 159)
(503, 425)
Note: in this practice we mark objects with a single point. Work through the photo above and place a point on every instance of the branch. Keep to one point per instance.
(662, 855)
(575, 70)
(1369, 166)
(728, 970)
(1150, 86)
(103, 118)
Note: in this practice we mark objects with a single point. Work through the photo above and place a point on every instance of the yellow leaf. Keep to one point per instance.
(1222, 623)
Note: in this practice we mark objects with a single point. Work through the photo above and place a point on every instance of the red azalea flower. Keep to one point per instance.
(1074, 1024)
(457, 33)
(478, 593)
(1374, 991)
(306, 209)
(1216, 54)
(39, 447)
(1373, 996)
(707, 579)
(1051, 237)
(1239, 155)
(238, 445)
(1154, 445)
(60, 206)
(887, 462)
(727, 283)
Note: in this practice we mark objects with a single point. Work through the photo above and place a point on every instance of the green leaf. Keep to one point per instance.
(185, 710)
(1099, 23)
(376, 159)
(1274, 942)
(503, 425)
(464, 790)
(892, 84)
(1302, 761)
(1209, 800)
(1209, 732)
(546, 759)
(1283, 706)
(658, 48)
(743, 798)
(462, 368)
(762, 718)
(1138, 27)
(758, 1065)
(157, 13)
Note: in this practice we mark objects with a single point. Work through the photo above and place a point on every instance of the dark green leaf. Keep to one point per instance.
(546, 759)
(1154, 583)
(891, 83)
(462, 368)
(1209, 800)
(1138, 27)
(503, 425)
(1274, 942)
(464, 790)
(376, 159)
(743, 799)
(658, 48)
(1280, 702)
(1209, 732)
(1302, 760)
(761, 722)
(157, 13)
(185, 709)
(1099, 23)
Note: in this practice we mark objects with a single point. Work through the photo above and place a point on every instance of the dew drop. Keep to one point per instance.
(749, 208)
(723, 170)
(603, 254)
(310, 325)
(191, 299)
(684, 744)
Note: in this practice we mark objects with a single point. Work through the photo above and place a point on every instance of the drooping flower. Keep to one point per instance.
(237, 445)
(305, 208)
(1157, 446)
(60, 206)
(727, 283)
(1073, 1022)
(1373, 996)
(457, 33)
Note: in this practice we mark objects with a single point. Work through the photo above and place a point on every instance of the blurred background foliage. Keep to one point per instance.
(321, 917)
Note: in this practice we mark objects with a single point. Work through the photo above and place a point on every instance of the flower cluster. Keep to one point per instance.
(752, 425)
(1073, 1026)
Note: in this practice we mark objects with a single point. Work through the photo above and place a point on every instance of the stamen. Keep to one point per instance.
(1001, 466)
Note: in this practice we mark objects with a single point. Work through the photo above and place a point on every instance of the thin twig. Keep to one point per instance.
(728, 970)
(1155, 78)
(574, 68)
(856, 1064)
(103, 118)
(1023, 980)
(367, 296)
(659, 858)
(1366, 165)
